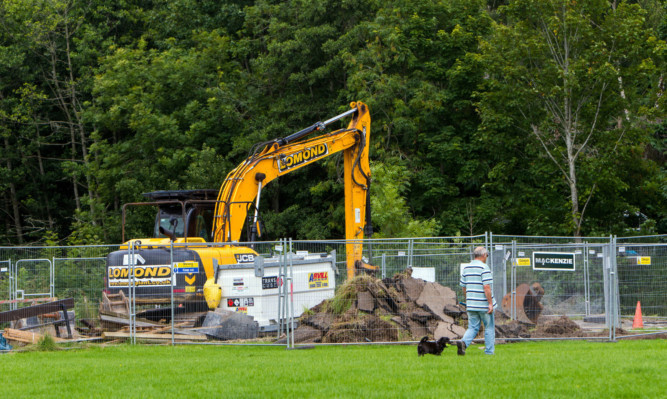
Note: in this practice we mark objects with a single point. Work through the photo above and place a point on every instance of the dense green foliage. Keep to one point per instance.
(574, 369)
(520, 117)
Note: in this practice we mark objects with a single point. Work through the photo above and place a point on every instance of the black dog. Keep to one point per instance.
(432, 347)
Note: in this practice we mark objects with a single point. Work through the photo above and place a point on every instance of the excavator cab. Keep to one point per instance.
(184, 213)
(191, 213)
(181, 213)
(197, 223)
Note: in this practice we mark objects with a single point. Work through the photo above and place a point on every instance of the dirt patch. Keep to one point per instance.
(560, 327)
(546, 327)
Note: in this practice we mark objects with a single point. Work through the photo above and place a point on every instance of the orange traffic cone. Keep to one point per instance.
(638, 322)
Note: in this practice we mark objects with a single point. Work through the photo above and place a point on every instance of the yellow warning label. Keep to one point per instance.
(186, 264)
(191, 288)
(643, 260)
(523, 261)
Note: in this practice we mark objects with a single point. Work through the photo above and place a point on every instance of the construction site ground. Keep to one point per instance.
(366, 309)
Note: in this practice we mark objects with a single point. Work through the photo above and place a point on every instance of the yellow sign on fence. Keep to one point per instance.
(523, 261)
(643, 260)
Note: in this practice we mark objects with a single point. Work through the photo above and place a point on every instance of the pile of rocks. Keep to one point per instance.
(367, 309)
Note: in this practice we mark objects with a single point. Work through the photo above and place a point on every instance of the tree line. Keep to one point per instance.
(530, 117)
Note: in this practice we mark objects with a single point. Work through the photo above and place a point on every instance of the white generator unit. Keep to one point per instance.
(255, 288)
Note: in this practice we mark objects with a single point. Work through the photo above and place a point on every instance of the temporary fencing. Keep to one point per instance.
(298, 292)
(642, 277)
(34, 275)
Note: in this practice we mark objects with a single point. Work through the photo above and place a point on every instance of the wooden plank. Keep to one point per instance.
(36, 310)
(27, 337)
(157, 327)
(179, 337)
(25, 300)
(163, 329)
(125, 321)
(111, 313)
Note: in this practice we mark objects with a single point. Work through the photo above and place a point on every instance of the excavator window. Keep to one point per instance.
(170, 222)
(200, 222)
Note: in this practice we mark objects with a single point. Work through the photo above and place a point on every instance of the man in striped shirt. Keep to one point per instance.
(477, 283)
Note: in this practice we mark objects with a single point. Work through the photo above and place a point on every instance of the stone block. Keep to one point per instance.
(434, 297)
(412, 287)
(321, 321)
(417, 330)
(365, 302)
(420, 316)
(226, 325)
(451, 331)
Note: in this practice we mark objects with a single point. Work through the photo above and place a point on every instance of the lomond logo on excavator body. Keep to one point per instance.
(155, 275)
(303, 156)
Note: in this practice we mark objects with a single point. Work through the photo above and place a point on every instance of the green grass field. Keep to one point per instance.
(565, 369)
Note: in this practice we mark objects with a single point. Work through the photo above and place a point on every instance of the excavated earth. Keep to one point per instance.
(367, 309)
(403, 308)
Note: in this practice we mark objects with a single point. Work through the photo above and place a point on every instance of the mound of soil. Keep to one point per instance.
(367, 309)
(561, 326)
(367, 328)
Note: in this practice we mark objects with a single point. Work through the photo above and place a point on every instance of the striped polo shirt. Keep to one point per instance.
(475, 276)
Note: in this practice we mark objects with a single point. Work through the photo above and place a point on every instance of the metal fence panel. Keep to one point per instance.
(6, 284)
(34, 278)
(37, 274)
(610, 277)
(642, 278)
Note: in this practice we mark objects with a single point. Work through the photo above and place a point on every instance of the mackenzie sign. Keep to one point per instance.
(553, 261)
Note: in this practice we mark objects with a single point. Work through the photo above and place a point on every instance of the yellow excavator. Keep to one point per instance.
(184, 217)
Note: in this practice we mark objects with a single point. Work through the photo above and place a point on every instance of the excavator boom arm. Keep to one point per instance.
(279, 157)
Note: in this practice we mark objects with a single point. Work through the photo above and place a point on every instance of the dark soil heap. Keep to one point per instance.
(366, 309)
(561, 326)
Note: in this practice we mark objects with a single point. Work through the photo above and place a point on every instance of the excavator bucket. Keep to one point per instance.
(362, 267)
(528, 306)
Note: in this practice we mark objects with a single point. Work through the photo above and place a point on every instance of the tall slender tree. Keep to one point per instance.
(578, 80)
